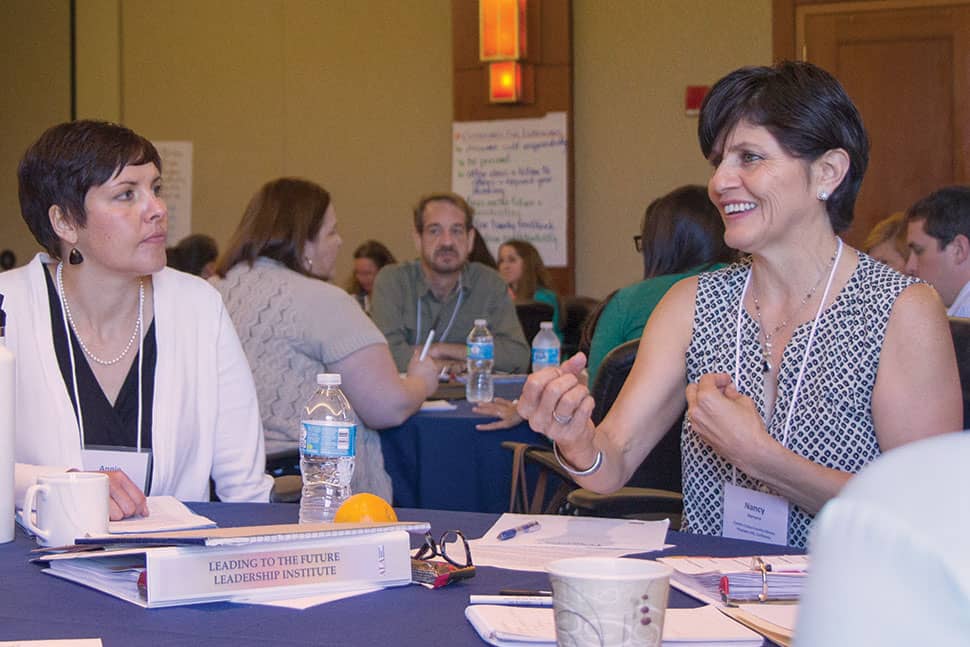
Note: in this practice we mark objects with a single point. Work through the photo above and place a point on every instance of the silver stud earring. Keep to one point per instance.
(823, 195)
(309, 263)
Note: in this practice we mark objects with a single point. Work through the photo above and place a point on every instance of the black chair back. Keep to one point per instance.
(575, 311)
(530, 316)
(589, 326)
(661, 469)
(960, 329)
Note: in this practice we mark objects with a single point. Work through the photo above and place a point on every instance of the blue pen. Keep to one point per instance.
(532, 526)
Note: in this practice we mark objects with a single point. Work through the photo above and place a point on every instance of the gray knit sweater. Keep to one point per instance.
(293, 327)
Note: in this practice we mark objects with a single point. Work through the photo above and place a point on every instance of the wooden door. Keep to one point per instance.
(908, 71)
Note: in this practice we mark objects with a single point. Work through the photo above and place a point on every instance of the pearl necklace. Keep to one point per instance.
(768, 336)
(134, 333)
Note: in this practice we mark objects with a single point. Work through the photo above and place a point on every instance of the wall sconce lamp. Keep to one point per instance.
(504, 82)
(502, 44)
(501, 30)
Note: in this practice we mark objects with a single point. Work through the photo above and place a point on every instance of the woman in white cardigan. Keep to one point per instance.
(164, 392)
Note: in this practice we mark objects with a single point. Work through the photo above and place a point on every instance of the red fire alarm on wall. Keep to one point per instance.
(694, 97)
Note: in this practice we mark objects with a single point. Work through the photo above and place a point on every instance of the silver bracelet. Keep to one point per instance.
(569, 468)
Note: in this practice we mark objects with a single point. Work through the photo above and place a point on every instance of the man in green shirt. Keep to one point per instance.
(442, 291)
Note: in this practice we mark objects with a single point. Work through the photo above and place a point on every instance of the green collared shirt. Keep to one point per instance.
(400, 290)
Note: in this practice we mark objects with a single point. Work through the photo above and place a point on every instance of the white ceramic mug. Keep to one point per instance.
(69, 505)
(609, 601)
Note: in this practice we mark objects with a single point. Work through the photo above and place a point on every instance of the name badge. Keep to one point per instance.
(137, 465)
(755, 516)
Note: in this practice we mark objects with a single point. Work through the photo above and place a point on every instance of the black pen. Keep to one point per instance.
(524, 592)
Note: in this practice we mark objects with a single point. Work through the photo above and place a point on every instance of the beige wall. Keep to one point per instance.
(356, 95)
(36, 93)
(632, 62)
(270, 88)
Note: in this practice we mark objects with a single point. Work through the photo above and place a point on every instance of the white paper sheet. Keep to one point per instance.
(67, 642)
(562, 536)
(308, 601)
(164, 513)
(437, 405)
(700, 627)
(783, 615)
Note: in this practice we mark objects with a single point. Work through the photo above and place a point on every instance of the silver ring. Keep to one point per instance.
(563, 420)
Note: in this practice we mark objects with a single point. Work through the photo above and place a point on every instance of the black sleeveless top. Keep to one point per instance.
(104, 424)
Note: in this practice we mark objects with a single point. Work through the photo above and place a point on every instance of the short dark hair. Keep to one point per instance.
(193, 253)
(278, 221)
(66, 162)
(806, 110)
(444, 196)
(946, 213)
(681, 230)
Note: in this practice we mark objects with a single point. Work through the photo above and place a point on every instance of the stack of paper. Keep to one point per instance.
(561, 536)
(701, 627)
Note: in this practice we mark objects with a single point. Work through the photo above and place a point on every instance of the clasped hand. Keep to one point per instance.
(727, 420)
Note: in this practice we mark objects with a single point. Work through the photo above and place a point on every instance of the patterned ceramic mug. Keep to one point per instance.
(609, 601)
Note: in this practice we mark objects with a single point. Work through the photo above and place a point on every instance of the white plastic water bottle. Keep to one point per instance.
(328, 438)
(7, 430)
(545, 347)
(480, 358)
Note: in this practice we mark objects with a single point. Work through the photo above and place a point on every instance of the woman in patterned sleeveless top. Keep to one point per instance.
(802, 362)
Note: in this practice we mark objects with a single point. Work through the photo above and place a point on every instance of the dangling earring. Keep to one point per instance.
(75, 258)
(823, 195)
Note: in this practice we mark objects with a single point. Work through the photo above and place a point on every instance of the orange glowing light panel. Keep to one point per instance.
(504, 82)
(501, 30)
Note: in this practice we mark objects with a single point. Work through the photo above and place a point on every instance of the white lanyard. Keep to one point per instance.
(77, 394)
(808, 349)
(454, 313)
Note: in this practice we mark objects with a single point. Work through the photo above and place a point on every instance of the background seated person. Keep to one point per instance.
(938, 235)
(442, 291)
(115, 349)
(681, 236)
(293, 325)
(369, 258)
(886, 242)
(195, 254)
(802, 363)
(522, 268)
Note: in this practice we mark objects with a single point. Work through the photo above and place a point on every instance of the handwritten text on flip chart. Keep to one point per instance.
(513, 173)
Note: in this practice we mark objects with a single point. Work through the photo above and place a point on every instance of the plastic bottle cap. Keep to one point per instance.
(328, 379)
(546, 325)
(480, 322)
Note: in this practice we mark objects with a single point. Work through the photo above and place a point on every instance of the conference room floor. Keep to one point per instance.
(37, 606)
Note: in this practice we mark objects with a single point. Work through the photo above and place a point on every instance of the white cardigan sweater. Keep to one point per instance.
(205, 416)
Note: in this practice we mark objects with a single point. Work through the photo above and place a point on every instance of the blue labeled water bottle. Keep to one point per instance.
(328, 437)
(545, 348)
(480, 357)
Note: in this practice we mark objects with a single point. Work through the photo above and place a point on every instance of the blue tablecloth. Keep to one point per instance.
(437, 459)
(37, 606)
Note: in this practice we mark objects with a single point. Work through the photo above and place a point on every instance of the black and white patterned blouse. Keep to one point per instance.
(832, 420)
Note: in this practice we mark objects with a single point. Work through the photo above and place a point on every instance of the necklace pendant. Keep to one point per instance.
(765, 365)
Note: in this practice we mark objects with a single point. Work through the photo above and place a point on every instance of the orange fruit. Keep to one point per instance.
(365, 507)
